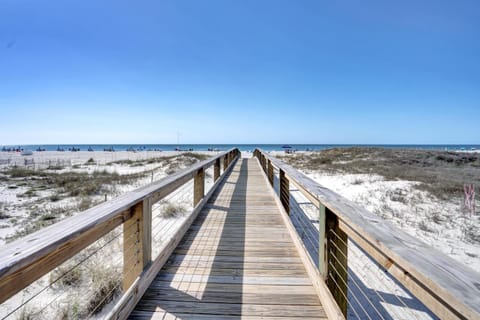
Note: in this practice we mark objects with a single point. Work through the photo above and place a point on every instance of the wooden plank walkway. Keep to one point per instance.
(237, 261)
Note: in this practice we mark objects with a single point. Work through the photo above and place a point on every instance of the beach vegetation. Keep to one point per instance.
(27, 313)
(171, 210)
(105, 285)
(357, 181)
(67, 275)
(55, 197)
(425, 226)
(471, 233)
(441, 173)
(3, 215)
(85, 203)
(55, 167)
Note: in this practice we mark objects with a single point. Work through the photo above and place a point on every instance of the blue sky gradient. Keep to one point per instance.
(240, 71)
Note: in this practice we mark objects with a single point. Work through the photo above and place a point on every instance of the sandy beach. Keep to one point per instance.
(28, 202)
(24, 200)
(431, 213)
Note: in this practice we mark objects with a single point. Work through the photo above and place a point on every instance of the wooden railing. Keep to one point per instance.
(446, 287)
(26, 260)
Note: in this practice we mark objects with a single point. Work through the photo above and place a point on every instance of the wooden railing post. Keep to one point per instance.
(284, 191)
(270, 172)
(198, 186)
(133, 246)
(147, 232)
(337, 262)
(322, 242)
(216, 170)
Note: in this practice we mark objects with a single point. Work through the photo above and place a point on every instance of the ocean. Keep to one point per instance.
(222, 147)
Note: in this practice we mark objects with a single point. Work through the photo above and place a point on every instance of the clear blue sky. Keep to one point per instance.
(248, 71)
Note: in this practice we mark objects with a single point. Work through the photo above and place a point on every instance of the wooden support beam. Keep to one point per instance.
(133, 246)
(198, 186)
(225, 163)
(284, 191)
(147, 232)
(216, 170)
(28, 259)
(322, 243)
(337, 262)
(270, 172)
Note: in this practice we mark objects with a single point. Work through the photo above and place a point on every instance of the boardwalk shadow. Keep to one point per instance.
(204, 276)
(364, 302)
(225, 282)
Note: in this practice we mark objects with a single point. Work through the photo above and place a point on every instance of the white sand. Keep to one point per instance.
(162, 228)
(19, 207)
(437, 223)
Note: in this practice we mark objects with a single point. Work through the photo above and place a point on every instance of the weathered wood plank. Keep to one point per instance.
(198, 186)
(231, 308)
(129, 300)
(284, 191)
(147, 232)
(45, 261)
(455, 287)
(170, 294)
(163, 315)
(199, 287)
(216, 170)
(133, 246)
(27, 259)
(337, 265)
(236, 259)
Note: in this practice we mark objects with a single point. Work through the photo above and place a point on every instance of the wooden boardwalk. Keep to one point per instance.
(237, 261)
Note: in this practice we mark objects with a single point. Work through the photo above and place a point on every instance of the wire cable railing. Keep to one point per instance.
(371, 273)
(90, 265)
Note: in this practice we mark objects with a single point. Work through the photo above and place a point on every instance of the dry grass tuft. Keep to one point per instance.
(172, 210)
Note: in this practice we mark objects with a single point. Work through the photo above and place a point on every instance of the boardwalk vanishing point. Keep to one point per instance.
(251, 248)
(236, 260)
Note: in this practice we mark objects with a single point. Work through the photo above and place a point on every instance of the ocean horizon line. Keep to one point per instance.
(221, 147)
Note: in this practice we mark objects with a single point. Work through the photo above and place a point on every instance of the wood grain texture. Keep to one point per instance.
(336, 266)
(216, 170)
(198, 186)
(27, 259)
(284, 191)
(270, 172)
(130, 298)
(222, 268)
(328, 302)
(133, 247)
(453, 286)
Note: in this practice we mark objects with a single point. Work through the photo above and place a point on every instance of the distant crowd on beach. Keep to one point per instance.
(76, 149)
(12, 149)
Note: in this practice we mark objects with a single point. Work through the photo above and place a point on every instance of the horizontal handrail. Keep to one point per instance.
(29, 258)
(447, 287)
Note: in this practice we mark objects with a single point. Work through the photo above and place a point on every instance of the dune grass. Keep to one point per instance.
(442, 173)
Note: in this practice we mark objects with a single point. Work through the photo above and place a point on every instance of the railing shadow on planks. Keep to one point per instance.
(335, 228)
(33, 266)
(446, 287)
